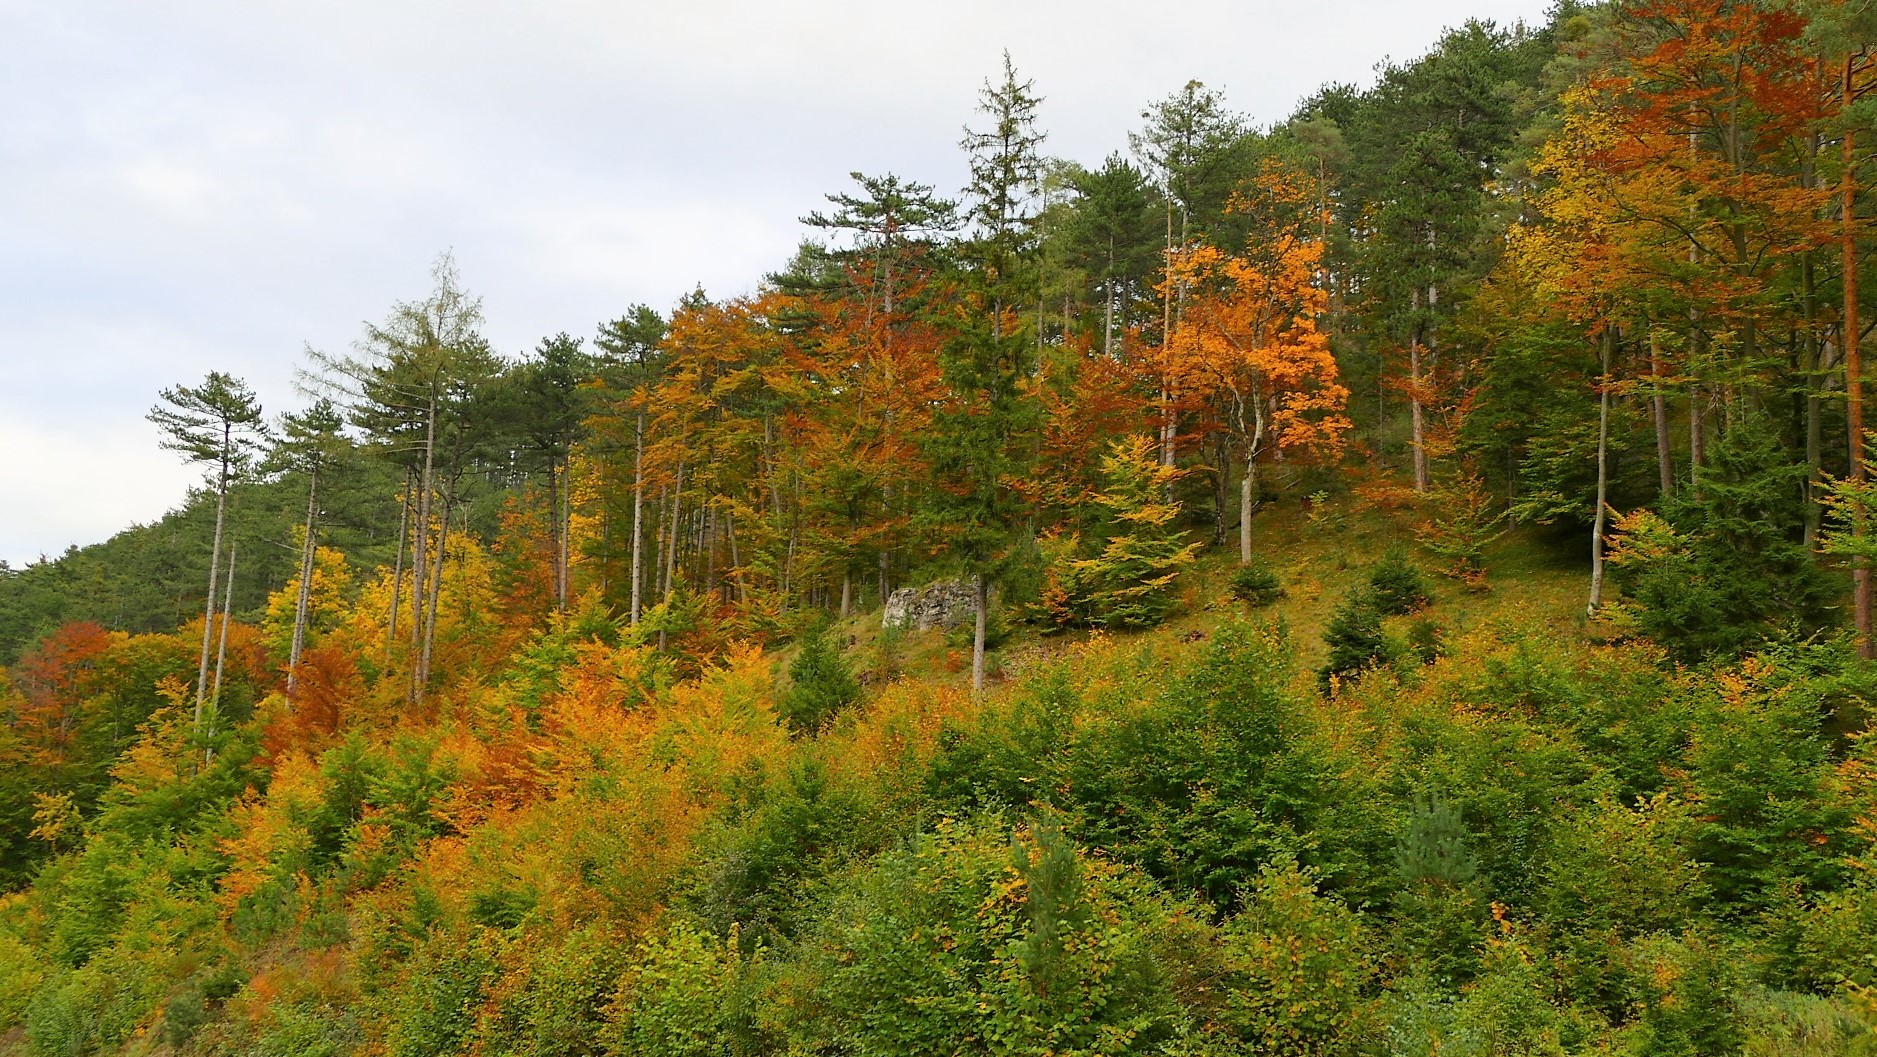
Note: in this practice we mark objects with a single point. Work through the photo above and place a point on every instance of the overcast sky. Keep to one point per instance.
(189, 186)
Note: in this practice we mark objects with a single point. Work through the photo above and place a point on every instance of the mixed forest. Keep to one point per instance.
(1416, 563)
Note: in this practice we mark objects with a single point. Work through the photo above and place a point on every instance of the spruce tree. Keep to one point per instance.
(978, 444)
(820, 685)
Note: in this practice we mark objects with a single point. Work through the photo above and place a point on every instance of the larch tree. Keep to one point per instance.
(630, 363)
(407, 387)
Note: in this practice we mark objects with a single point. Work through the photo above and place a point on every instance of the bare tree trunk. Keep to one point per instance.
(215, 559)
(1854, 368)
(1813, 363)
(977, 635)
(436, 593)
(1107, 322)
(221, 654)
(847, 593)
(671, 551)
(304, 598)
(1418, 438)
(730, 580)
(557, 534)
(707, 527)
(228, 607)
(638, 514)
(1247, 495)
(419, 553)
(1664, 458)
(1603, 476)
(397, 568)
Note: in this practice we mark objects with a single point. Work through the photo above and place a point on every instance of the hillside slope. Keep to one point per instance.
(1159, 842)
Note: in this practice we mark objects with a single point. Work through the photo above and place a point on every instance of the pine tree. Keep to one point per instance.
(218, 423)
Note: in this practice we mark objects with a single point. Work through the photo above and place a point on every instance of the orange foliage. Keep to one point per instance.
(53, 679)
(1248, 342)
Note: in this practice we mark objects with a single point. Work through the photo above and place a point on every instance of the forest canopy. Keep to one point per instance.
(1394, 580)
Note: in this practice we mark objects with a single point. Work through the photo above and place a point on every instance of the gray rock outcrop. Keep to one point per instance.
(939, 605)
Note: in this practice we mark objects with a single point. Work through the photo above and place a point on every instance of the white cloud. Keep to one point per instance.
(202, 184)
(62, 486)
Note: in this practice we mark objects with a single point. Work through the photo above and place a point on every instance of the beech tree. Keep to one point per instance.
(1249, 341)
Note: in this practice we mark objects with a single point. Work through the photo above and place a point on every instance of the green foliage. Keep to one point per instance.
(1467, 521)
(1256, 585)
(1021, 945)
(1760, 778)
(1426, 641)
(686, 994)
(755, 872)
(1396, 586)
(1296, 967)
(821, 684)
(1130, 583)
(555, 1002)
(1721, 570)
(433, 1008)
(1355, 640)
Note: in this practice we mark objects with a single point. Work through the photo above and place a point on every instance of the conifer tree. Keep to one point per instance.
(217, 423)
(1130, 583)
(978, 437)
(820, 684)
(309, 443)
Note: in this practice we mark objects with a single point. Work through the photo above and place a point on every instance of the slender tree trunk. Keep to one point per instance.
(1854, 366)
(557, 533)
(397, 568)
(1247, 495)
(1418, 436)
(671, 553)
(847, 592)
(1603, 475)
(977, 636)
(638, 513)
(1169, 418)
(221, 654)
(1812, 361)
(302, 601)
(215, 559)
(1107, 322)
(436, 593)
(730, 580)
(228, 608)
(1664, 458)
(420, 553)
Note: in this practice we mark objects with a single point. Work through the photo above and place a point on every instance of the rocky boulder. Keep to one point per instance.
(940, 605)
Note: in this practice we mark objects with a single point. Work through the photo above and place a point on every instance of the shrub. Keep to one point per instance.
(1356, 641)
(976, 933)
(1426, 641)
(1256, 585)
(1396, 586)
(820, 685)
